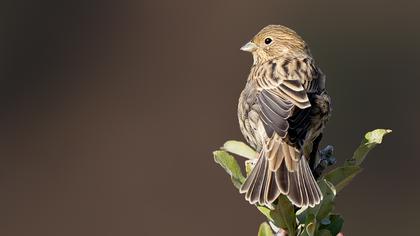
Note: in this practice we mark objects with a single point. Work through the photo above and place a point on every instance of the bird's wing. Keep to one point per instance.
(284, 109)
(280, 94)
(282, 78)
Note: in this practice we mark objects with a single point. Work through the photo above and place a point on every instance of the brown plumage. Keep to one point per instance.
(281, 112)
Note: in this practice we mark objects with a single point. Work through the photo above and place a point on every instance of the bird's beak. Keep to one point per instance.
(249, 47)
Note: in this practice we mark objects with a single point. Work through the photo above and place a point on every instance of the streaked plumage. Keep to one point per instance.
(281, 111)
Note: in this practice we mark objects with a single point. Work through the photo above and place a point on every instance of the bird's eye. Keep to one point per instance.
(268, 41)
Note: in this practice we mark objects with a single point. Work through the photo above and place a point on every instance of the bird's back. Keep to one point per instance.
(312, 80)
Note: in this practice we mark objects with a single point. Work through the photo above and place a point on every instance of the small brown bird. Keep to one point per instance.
(282, 112)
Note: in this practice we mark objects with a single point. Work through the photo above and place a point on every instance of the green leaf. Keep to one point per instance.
(324, 208)
(240, 149)
(371, 139)
(327, 204)
(335, 226)
(229, 163)
(266, 211)
(283, 214)
(248, 167)
(377, 135)
(265, 230)
(324, 232)
(310, 225)
(274, 216)
(342, 176)
(285, 209)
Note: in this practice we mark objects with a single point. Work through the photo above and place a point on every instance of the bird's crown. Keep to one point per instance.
(275, 41)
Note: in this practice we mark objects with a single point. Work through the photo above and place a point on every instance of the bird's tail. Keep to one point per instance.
(263, 185)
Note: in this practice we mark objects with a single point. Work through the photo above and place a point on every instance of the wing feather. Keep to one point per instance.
(281, 97)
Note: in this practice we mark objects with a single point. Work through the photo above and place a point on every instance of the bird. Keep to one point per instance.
(282, 112)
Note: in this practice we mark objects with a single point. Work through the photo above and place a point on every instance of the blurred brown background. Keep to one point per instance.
(110, 112)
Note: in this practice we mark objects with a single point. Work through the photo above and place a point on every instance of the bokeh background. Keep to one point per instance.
(109, 112)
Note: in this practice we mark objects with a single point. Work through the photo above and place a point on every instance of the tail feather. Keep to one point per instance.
(264, 186)
(271, 188)
(259, 184)
(295, 193)
(312, 186)
(254, 183)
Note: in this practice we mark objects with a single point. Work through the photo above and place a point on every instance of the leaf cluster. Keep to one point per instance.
(317, 221)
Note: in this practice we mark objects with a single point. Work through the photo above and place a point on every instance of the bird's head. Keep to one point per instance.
(274, 41)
